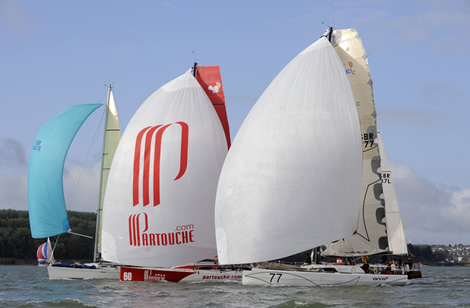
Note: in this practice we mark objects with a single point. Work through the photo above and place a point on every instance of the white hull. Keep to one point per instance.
(412, 273)
(58, 273)
(342, 268)
(179, 275)
(266, 277)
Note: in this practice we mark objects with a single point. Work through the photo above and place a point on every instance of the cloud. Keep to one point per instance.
(427, 22)
(13, 192)
(435, 93)
(81, 186)
(12, 17)
(430, 211)
(12, 153)
(13, 175)
(424, 22)
(417, 117)
(81, 189)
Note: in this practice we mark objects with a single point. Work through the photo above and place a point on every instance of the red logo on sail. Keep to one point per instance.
(151, 138)
(134, 228)
(138, 236)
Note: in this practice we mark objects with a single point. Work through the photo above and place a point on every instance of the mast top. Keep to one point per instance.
(328, 33)
(195, 69)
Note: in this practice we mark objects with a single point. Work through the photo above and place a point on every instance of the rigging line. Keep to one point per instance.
(55, 244)
(82, 235)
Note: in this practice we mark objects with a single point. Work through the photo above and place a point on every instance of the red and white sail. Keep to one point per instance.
(159, 202)
(44, 252)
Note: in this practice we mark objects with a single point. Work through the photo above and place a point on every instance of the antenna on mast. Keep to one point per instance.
(194, 65)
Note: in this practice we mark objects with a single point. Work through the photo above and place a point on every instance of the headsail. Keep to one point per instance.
(111, 138)
(159, 202)
(299, 145)
(47, 212)
(395, 233)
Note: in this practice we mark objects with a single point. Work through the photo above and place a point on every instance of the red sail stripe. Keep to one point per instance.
(137, 229)
(135, 188)
(184, 149)
(147, 156)
(130, 229)
(146, 222)
(156, 165)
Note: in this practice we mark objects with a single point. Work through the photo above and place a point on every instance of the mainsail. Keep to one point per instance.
(298, 147)
(112, 135)
(159, 202)
(47, 211)
(372, 235)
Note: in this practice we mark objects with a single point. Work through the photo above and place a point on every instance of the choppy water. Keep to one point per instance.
(28, 286)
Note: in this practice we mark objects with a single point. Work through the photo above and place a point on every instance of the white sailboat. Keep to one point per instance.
(291, 180)
(159, 204)
(48, 216)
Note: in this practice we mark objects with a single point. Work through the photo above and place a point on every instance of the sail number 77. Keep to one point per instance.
(368, 139)
(273, 275)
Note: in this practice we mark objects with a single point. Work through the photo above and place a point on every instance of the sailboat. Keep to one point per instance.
(159, 203)
(291, 180)
(380, 229)
(47, 210)
(44, 253)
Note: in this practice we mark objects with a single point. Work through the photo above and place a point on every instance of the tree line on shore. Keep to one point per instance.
(18, 247)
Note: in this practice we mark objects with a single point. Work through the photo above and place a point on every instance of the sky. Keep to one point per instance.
(55, 54)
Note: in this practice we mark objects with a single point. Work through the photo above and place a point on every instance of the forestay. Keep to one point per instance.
(291, 180)
(159, 202)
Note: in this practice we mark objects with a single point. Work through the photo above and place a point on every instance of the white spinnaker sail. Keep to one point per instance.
(159, 202)
(396, 234)
(371, 236)
(291, 180)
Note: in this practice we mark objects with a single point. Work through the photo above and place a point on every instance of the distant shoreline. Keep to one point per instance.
(444, 264)
(13, 261)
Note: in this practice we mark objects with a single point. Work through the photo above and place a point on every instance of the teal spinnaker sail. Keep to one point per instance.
(46, 202)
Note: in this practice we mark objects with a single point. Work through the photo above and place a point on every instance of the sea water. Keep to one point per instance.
(29, 286)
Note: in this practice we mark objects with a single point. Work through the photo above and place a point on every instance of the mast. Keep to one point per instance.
(328, 33)
(195, 69)
(112, 135)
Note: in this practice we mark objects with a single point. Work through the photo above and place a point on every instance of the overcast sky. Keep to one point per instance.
(55, 54)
